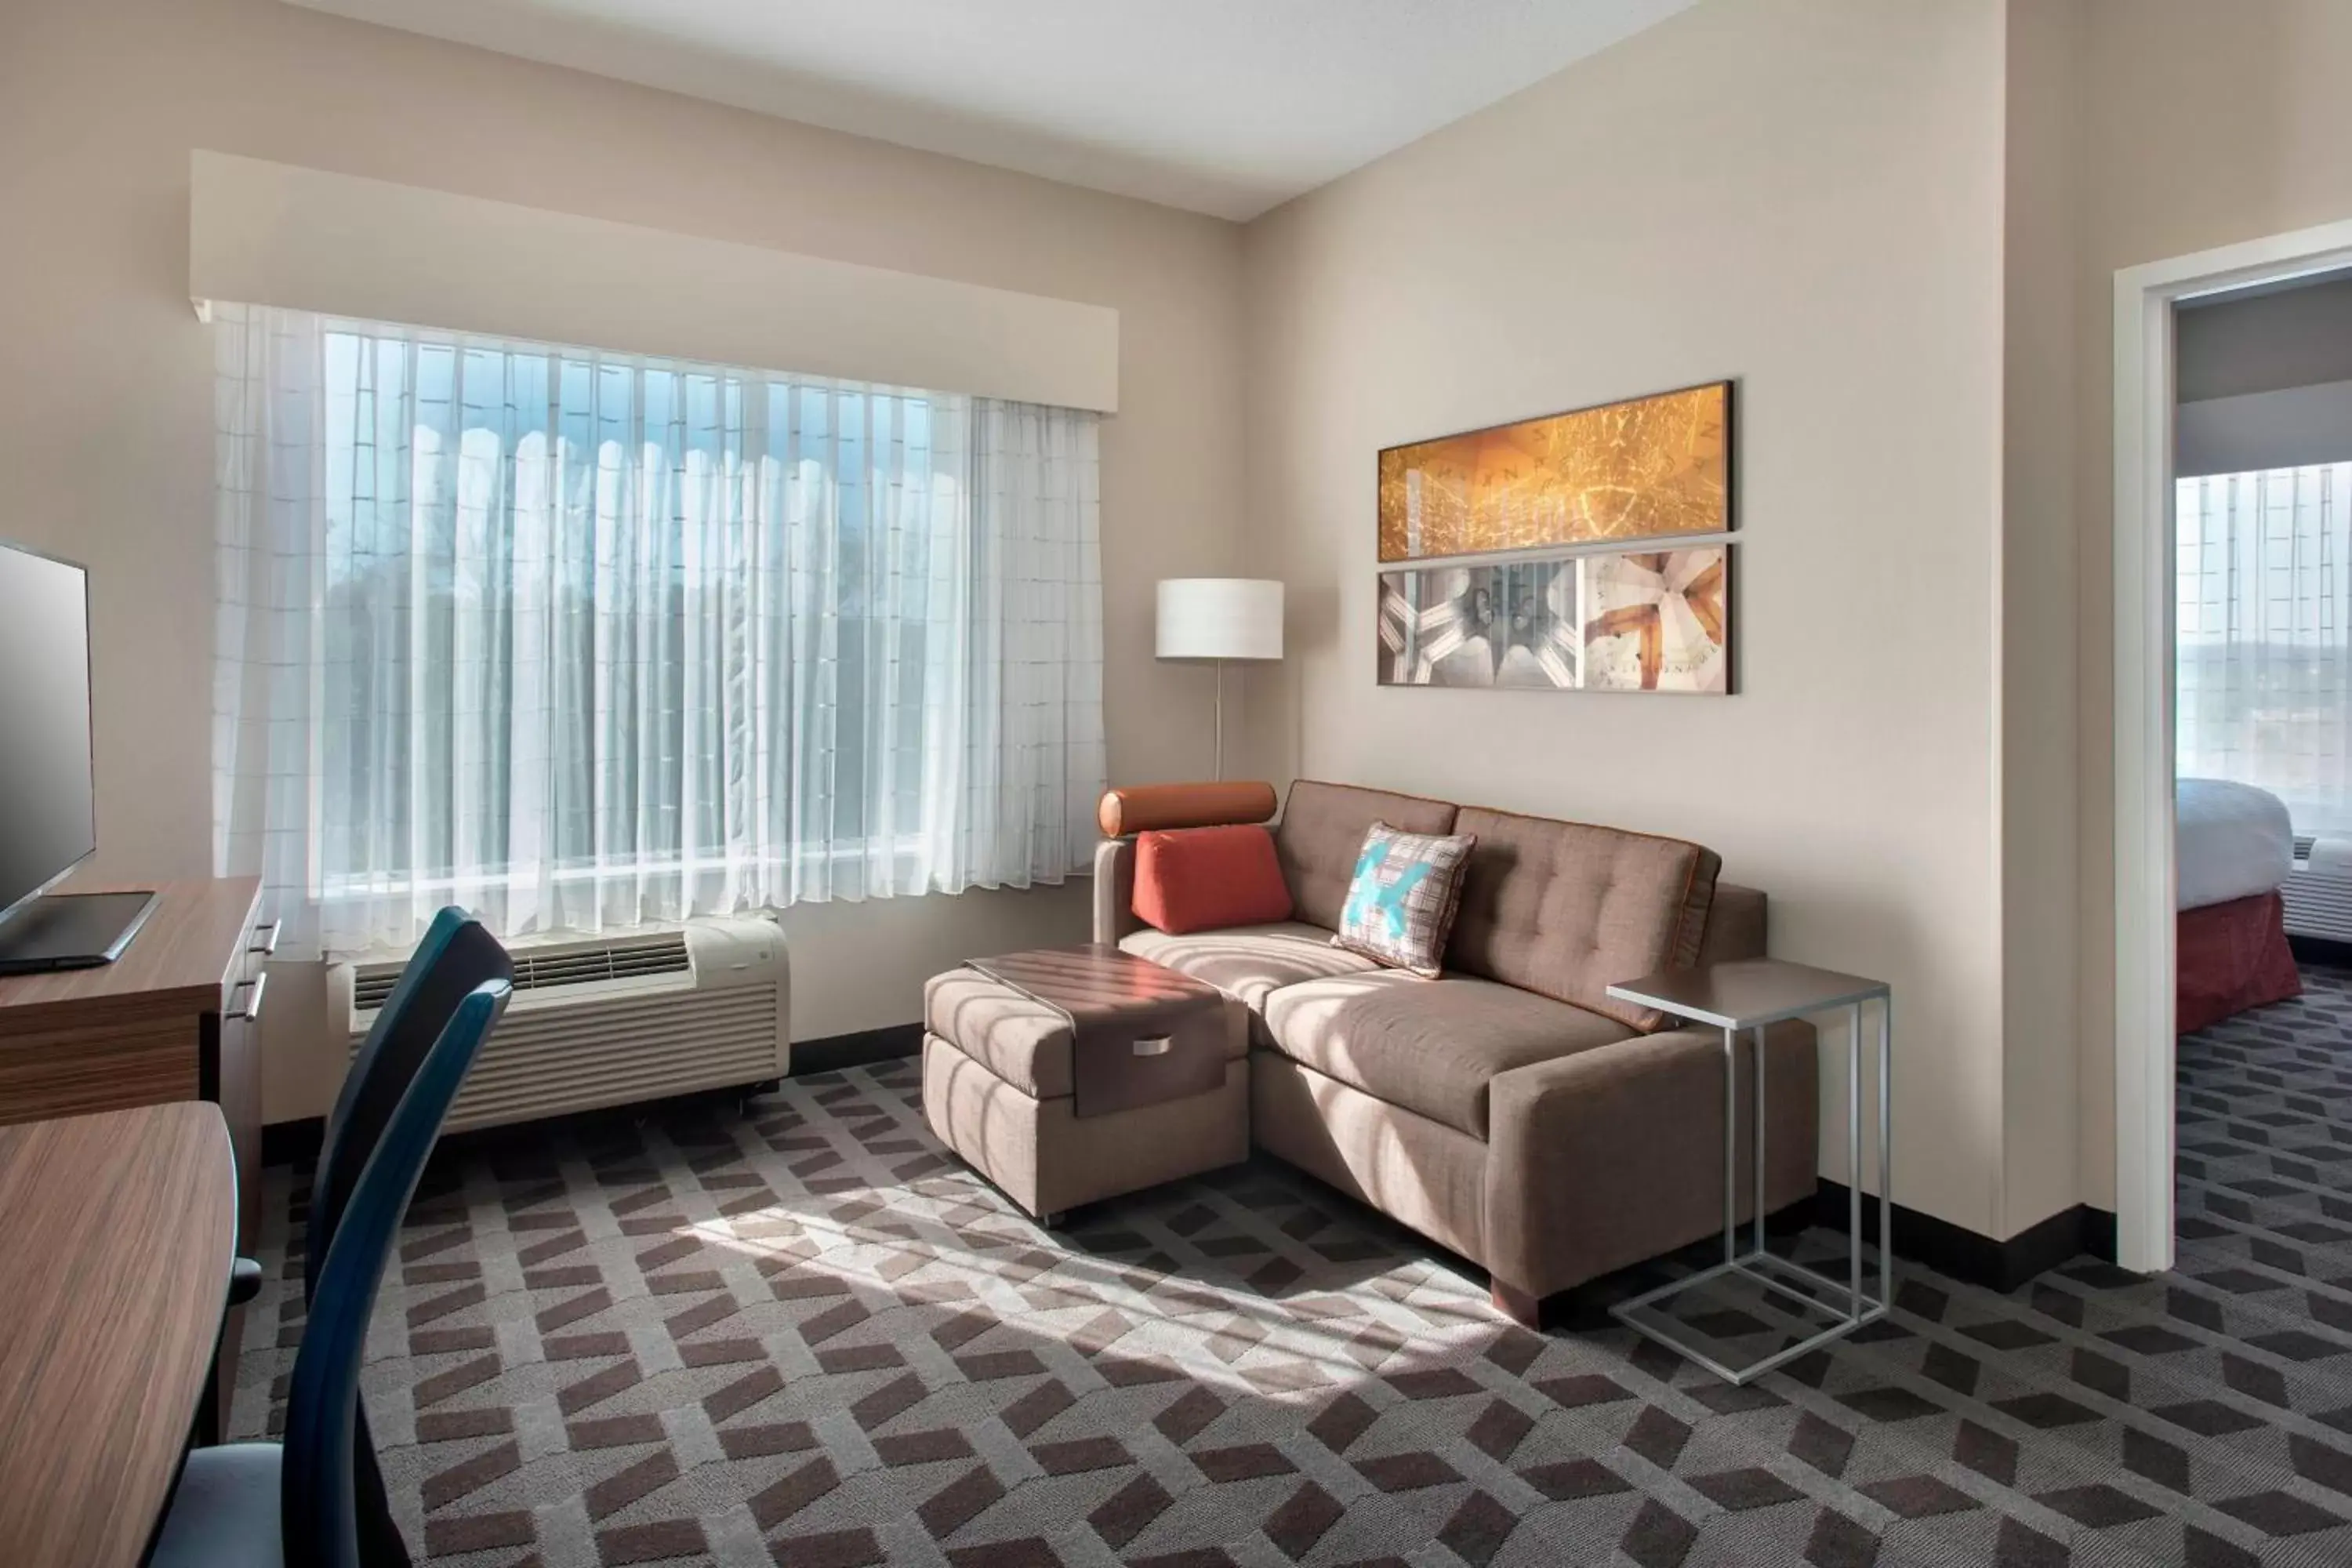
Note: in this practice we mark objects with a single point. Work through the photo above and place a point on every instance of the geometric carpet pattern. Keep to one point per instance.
(802, 1334)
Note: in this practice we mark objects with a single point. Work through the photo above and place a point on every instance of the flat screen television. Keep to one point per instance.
(48, 813)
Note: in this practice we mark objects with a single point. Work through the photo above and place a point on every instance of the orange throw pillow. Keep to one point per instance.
(1200, 879)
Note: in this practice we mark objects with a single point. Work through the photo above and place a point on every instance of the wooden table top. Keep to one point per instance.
(174, 960)
(116, 1234)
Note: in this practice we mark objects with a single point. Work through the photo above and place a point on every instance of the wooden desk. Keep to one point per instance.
(116, 1234)
(175, 1018)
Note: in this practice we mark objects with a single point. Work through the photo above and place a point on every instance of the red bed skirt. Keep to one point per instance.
(2230, 957)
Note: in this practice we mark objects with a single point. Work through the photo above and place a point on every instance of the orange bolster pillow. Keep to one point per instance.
(1142, 808)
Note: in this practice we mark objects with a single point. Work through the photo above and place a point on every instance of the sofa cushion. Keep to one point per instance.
(1427, 1045)
(1204, 878)
(1322, 832)
(1565, 908)
(1250, 962)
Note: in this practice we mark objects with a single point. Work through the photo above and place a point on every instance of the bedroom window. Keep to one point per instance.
(2264, 622)
(581, 640)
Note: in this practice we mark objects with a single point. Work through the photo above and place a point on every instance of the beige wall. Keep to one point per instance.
(2038, 814)
(105, 408)
(1804, 194)
(2202, 125)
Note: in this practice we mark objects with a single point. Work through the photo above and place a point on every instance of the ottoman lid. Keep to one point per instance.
(1019, 1015)
(1096, 980)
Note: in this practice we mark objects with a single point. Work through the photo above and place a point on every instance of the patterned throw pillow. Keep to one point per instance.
(1401, 900)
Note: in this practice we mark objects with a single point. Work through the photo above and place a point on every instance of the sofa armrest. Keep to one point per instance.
(1735, 925)
(1614, 1154)
(1115, 890)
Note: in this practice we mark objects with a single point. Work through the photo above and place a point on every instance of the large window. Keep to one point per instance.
(2264, 621)
(580, 640)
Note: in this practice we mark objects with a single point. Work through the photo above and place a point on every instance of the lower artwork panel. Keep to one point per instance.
(1648, 620)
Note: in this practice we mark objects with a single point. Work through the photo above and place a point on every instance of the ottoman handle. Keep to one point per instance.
(1153, 1045)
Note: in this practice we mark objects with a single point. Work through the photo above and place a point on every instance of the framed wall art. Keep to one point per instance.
(1654, 620)
(1512, 623)
(1647, 467)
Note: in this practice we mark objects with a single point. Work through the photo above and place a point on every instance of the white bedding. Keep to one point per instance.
(2229, 841)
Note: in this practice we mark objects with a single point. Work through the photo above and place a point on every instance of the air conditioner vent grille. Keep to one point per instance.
(570, 965)
(538, 969)
(614, 1019)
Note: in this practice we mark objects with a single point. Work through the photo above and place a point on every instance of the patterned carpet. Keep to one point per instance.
(805, 1336)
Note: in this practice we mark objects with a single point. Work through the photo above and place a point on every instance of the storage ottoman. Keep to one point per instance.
(1066, 1074)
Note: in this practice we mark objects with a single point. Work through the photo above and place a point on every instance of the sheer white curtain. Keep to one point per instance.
(580, 640)
(2264, 622)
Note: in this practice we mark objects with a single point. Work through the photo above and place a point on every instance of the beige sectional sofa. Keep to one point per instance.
(1511, 1111)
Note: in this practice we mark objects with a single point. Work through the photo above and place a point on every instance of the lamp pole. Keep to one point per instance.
(1219, 772)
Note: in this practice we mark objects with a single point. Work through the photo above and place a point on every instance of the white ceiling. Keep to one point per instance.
(1225, 107)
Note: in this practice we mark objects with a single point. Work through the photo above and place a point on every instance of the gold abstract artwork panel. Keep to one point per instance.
(1649, 468)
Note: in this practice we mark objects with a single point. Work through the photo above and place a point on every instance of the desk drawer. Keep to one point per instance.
(232, 1056)
(246, 986)
(236, 1055)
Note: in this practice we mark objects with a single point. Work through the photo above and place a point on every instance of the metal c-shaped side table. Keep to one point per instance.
(1748, 994)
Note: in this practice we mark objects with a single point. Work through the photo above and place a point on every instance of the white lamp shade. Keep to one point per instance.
(1219, 617)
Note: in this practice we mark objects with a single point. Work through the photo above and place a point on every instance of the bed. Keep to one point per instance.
(2234, 850)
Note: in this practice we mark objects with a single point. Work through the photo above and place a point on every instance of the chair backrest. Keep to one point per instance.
(317, 1509)
(457, 955)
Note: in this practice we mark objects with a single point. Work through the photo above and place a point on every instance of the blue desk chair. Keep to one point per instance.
(268, 1505)
(457, 955)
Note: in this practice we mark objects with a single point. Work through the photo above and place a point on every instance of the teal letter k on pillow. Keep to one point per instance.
(1370, 899)
(1401, 898)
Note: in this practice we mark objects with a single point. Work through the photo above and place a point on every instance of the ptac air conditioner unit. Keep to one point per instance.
(610, 1020)
(2318, 891)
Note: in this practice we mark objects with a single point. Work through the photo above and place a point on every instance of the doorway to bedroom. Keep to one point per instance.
(2232, 640)
(2262, 651)
(2261, 506)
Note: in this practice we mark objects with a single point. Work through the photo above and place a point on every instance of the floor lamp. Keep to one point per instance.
(1217, 619)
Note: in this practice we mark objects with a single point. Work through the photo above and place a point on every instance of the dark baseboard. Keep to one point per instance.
(293, 1142)
(1973, 1259)
(863, 1048)
(2321, 951)
(2098, 1233)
